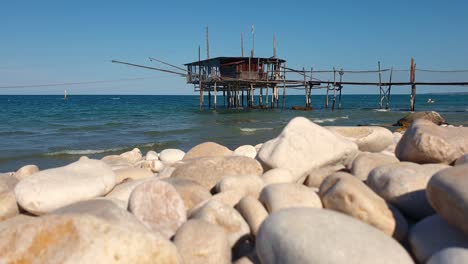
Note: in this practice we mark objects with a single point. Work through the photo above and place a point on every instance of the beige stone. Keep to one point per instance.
(132, 156)
(303, 146)
(277, 175)
(433, 234)
(286, 195)
(404, 185)
(200, 242)
(50, 189)
(207, 149)
(117, 162)
(366, 161)
(253, 212)
(246, 150)
(310, 235)
(132, 173)
(425, 142)
(191, 192)
(82, 238)
(368, 138)
(25, 171)
(431, 116)
(228, 218)
(447, 192)
(122, 191)
(15, 220)
(171, 156)
(151, 155)
(8, 206)
(208, 171)
(317, 176)
(158, 205)
(248, 184)
(7, 181)
(345, 193)
(166, 172)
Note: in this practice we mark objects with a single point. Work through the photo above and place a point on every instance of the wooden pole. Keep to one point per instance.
(380, 87)
(200, 79)
(209, 97)
(341, 88)
(215, 95)
(334, 89)
(326, 97)
(389, 89)
(305, 88)
(242, 97)
(207, 44)
(284, 86)
(413, 85)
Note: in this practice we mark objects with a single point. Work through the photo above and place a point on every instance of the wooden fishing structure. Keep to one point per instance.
(238, 78)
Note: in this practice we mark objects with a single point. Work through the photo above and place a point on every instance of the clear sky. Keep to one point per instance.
(47, 42)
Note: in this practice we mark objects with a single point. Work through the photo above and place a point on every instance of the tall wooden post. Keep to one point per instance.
(334, 89)
(413, 86)
(215, 95)
(380, 87)
(389, 89)
(209, 97)
(326, 97)
(341, 87)
(284, 86)
(200, 79)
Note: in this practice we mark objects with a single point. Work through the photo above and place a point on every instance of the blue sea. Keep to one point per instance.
(49, 131)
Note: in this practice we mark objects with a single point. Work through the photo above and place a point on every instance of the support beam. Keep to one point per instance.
(413, 85)
(215, 95)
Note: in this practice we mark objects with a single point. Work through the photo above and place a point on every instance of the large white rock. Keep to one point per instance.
(228, 218)
(200, 242)
(82, 238)
(8, 206)
(253, 212)
(303, 145)
(191, 192)
(277, 175)
(207, 149)
(286, 195)
(151, 155)
(50, 189)
(433, 234)
(425, 142)
(447, 192)
(246, 150)
(7, 181)
(117, 162)
(122, 191)
(132, 173)
(158, 205)
(248, 184)
(309, 235)
(368, 138)
(404, 185)
(171, 156)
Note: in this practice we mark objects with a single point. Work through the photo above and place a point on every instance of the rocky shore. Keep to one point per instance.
(313, 194)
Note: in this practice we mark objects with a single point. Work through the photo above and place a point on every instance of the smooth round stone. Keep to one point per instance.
(8, 206)
(191, 192)
(433, 234)
(258, 147)
(171, 156)
(117, 162)
(25, 171)
(156, 165)
(404, 185)
(159, 206)
(228, 218)
(368, 138)
(432, 116)
(303, 146)
(248, 184)
(132, 156)
(310, 235)
(132, 173)
(447, 192)
(207, 149)
(50, 189)
(345, 193)
(152, 155)
(253, 212)
(452, 255)
(104, 209)
(286, 195)
(365, 162)
(208, 171)
(246, 150)
(82, 238)
(425, 142)
(229, 197)
(278, 175)
(122, 191)
(200, 242)
(462, 160)
(316, 177)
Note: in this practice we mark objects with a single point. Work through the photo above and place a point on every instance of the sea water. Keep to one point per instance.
(49, 131)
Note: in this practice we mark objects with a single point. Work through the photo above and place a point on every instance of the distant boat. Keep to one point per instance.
(430, 101)
(65, 94)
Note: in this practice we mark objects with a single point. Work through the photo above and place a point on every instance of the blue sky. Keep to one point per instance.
(47, 42)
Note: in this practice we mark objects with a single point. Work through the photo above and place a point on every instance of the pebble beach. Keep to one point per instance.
(310, 194)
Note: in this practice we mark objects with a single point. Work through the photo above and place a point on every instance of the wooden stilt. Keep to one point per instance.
(413, 86)
(215, 95)
(387, 106)
(305, 89)
(242, 98)
(326, 97)
(209, 98)
(334, 89)
(284, 86)
(260, 97)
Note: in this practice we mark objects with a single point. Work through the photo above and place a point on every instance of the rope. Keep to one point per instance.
(72, 83)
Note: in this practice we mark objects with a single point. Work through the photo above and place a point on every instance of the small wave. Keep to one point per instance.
(15, 133)
(82, 151)
(323, 120)
(115, 98)
(253, 130)
(382, 110)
